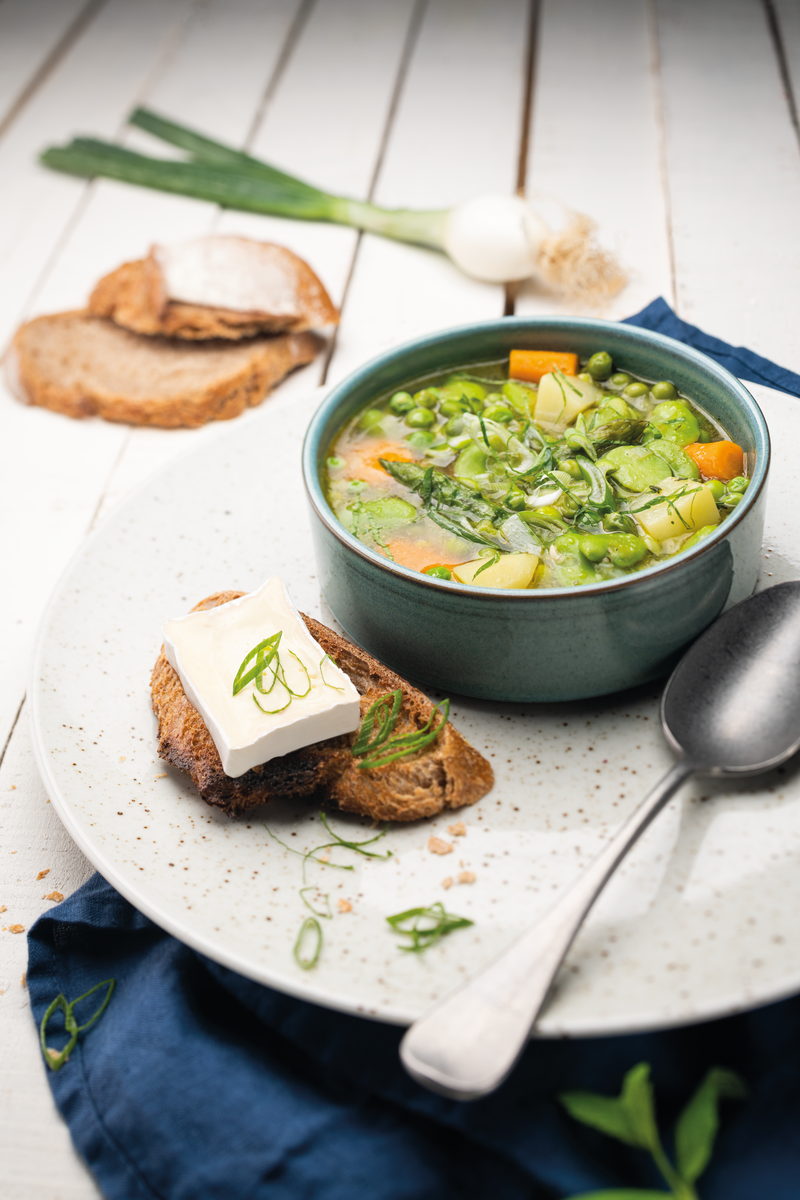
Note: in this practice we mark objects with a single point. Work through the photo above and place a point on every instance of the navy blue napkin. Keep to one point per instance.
(740, 361)
(197, 1084)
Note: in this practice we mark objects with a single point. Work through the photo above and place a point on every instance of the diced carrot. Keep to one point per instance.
(363, 461)
(717, 460)
(531, 365)
(416, 555)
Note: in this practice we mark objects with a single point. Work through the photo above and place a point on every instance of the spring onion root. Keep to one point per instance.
(495, 238)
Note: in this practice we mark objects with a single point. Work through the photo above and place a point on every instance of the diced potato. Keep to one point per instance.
(511, 571)
(692, 506)
(560, 399)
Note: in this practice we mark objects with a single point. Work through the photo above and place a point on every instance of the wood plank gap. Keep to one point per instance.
(104, 489)
(414, 26)
(292, 38)
(661, 126)
(56, 55)
(512, 289)
(14, 724)
(773, 23)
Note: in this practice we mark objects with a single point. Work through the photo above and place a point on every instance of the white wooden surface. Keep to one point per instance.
(667, 121)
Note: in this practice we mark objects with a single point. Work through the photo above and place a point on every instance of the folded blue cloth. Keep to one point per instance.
(197, 1083)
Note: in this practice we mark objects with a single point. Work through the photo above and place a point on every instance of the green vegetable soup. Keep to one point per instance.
(540, 471)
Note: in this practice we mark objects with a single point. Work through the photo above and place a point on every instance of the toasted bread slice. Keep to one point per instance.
(215, 287)
(449, 773)
(83, 366)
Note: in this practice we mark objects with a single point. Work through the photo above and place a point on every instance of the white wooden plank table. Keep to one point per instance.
(669, 122)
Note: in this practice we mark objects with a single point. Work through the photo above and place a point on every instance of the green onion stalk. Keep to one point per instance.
(495, 237)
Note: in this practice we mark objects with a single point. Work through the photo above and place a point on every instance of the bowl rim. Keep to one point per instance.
(339, 391)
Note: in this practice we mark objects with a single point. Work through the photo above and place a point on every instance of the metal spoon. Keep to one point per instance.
(731, 707)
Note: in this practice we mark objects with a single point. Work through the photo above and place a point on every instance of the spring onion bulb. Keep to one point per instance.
(495, 238)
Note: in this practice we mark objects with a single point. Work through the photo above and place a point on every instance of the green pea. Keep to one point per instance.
(620, 379)
(453, 408)
(438, 572)
(664, 390)
(420, 418)
(731, 499)
(454, 426)
(681, 465)
(617, 406)
(635, 467)
(335, 463)
(522, 398)
(626, 549)
(371, 419)
(571, 467)
(421, 439)
(499, 412)
(585, 376)
(600, 365)
(739, 484)
(676, 422)
(698, 536)
(634, 390)
(594, 546)
(470, 462)
(717, 489)
(427, 398)
(401, 402)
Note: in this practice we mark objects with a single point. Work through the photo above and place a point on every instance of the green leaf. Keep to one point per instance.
(628, 1117)
(621, 1194)
(698, 1123)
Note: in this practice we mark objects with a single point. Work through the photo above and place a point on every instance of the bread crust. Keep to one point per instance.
(63, 362)
(134, 297)
(445, 775)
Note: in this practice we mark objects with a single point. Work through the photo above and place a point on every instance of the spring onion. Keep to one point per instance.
(495, 238)
(380, 749)
(425, 926)
(55, 1059)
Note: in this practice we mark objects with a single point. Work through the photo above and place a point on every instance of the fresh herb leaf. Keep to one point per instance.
(425, 926)
(326, 916)
(384, 711)
(698, 1123)
(491, 561)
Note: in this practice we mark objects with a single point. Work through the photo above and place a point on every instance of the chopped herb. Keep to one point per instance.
(328, 658)
(401, 745)
(310, 928)
(491, 561)
(425, 926)
(56, 1059)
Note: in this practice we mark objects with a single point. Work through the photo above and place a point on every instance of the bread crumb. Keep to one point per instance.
(56, 896)
(324, 858)
(439, 846)
(163, 775)
(345, 906)
(3, 907)
(122, 757)
(24, 981)
(42, 874)
(466, 877)
(13, 787)
(15, 928)
(447, 883)
(457, 830)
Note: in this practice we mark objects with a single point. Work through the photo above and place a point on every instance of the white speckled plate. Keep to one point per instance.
(700, 921)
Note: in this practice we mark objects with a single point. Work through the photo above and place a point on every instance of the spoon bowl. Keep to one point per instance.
(731, 707)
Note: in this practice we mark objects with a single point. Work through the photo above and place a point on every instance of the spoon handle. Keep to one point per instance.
(468, 1042)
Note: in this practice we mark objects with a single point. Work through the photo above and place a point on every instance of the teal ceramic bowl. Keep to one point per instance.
(557, 644)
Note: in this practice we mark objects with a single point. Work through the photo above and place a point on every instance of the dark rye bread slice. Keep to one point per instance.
(134, 296)
(447, 774)
(82, 366)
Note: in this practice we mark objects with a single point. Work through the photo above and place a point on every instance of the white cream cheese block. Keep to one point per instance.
(207, 648)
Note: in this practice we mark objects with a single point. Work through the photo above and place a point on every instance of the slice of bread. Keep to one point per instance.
(448, 773)
(82, 365)
(215, 287)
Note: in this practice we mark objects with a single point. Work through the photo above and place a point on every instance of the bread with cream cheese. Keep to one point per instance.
(447, 774)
